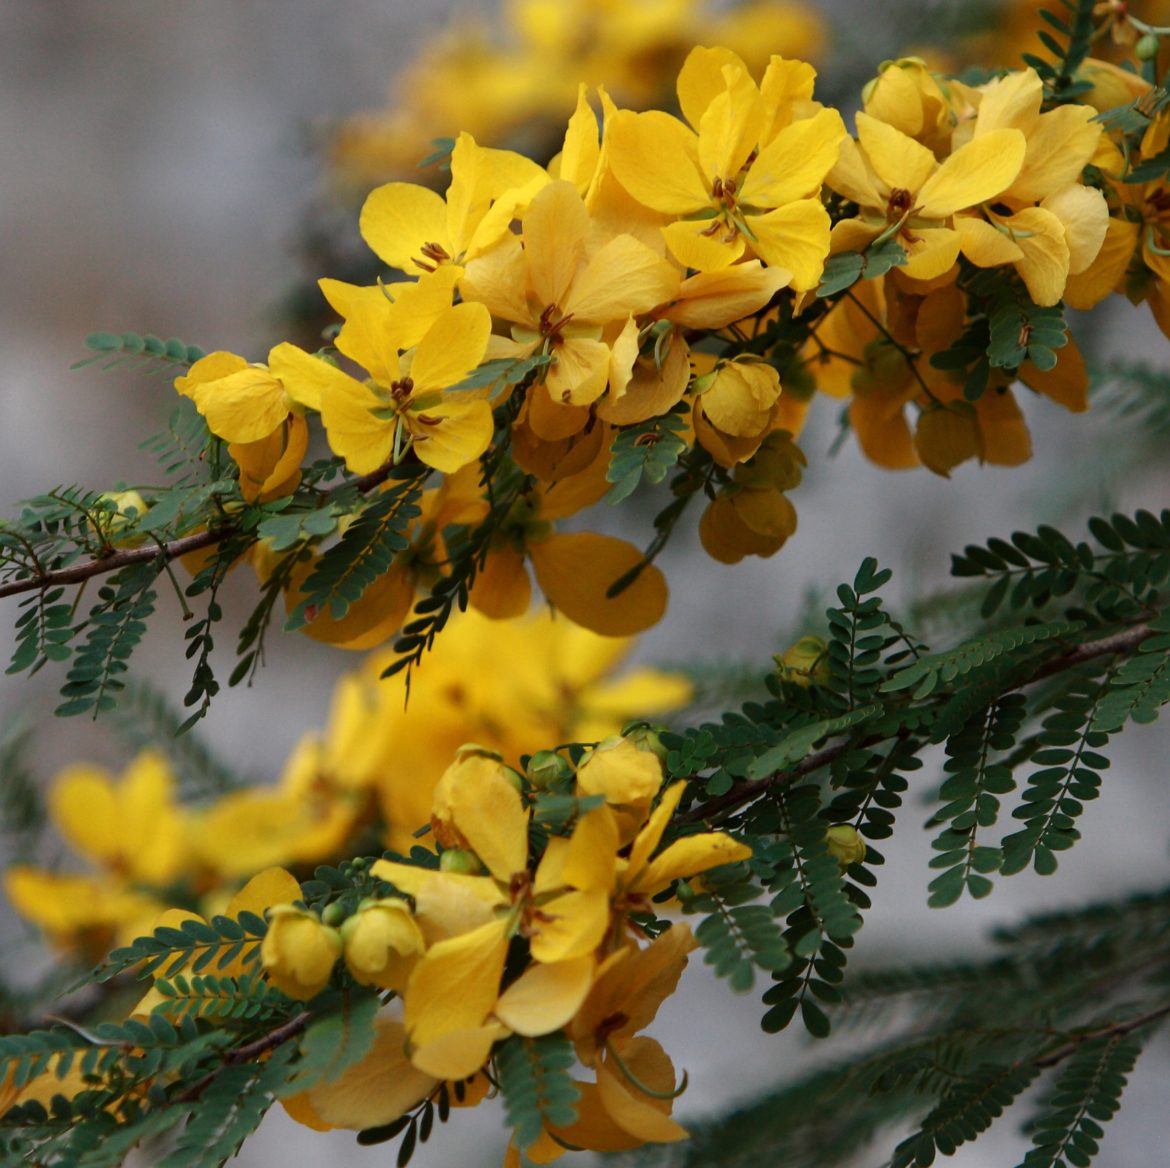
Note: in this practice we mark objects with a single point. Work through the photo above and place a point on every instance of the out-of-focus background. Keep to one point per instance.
(157, 165)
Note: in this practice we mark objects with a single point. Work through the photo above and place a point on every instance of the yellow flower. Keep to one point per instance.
(844, 844)
(904, 192)
(298, 952)
(1044, 223)
(558, 291)
(404, 403)
(247, 405)
(747, 175)
(414, 229)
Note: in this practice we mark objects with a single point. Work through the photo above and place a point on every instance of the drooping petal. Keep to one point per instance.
(544, 997)
(688, 857)
(575, 570)
(641, 1115)
(376, 1090)
(570, 925)
(455, 985)
(1084, 215)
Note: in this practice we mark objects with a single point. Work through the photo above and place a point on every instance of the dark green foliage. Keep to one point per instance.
(218, 998)
(1140, 685)
(1070, 47)
(180, 448)
(198, 945)
(963, 1112)
(1053, 797)
(341, 1035)
(843, 270)
(935, 670)
(148, 353)
(647, 451)
(114, 627)
(738, 937)
(43, 631)
(977, 777)
(1086, 1094)
(497, 375)
(1034, 568)
(365, 552)
(536, 1084)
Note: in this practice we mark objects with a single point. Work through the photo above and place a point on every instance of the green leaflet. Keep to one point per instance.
(537, 1087)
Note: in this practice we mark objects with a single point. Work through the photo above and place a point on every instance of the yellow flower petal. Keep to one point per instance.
(795, 237)
(452, 347)
(974, 174)
(570, 925)
(398, 219)
(898, 160)
(545, 997)
(656, 159)
(376, 1090)
(794, 164)
(701, 79)
(688, 857)
(576, 570)
(455, 986)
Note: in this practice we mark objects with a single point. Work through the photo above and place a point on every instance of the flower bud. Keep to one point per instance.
(333, 914)
(646, 737)
(298, 951)
(546, 767)
(460, 861)
(382, 943)
(805, 663)
(844, 844)
(1147, 47)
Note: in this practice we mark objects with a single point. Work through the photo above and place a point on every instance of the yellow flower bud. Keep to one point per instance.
(805, 663)
(382, 943)
(298, 952)
(844, 844)
(127, 508)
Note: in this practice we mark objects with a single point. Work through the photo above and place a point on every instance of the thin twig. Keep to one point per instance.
(164, 553)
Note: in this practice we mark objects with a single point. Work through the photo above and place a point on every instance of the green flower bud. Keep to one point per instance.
(646, 737)
(546, 767)
(1147, 47)
(333, 914)
(460, 862)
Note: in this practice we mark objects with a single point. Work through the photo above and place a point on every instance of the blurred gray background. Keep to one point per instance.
(154, 173)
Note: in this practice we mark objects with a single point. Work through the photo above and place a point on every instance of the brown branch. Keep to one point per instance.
(746, 792)
(164, 553)
(249, 1051)
(1116, 1030)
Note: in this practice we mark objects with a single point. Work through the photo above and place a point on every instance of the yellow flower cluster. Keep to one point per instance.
(370, 774)
(657, 267)
(446, 943)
